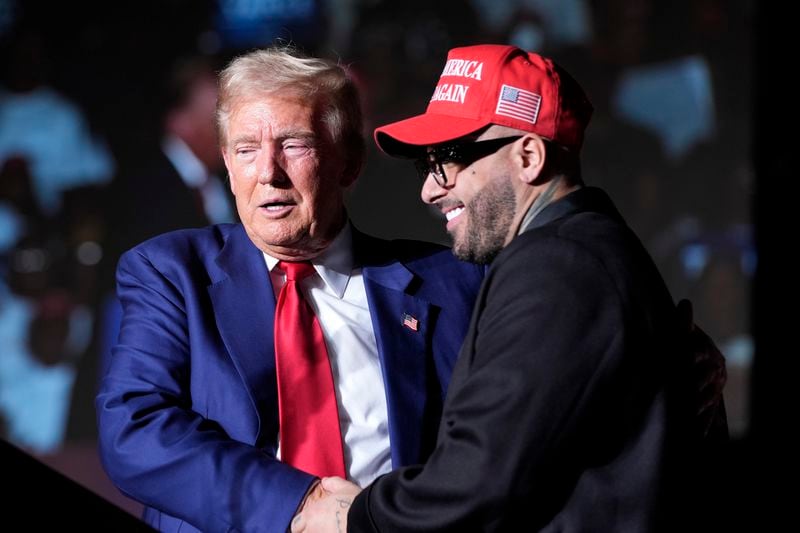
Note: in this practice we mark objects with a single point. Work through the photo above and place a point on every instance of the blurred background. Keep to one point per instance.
(106, 138)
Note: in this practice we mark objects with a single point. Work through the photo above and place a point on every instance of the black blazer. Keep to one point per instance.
(568, 409)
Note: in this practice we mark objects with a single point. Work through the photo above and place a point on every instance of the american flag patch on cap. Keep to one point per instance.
(518, 103)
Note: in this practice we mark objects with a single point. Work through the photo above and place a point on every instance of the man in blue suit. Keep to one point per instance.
(188, 410)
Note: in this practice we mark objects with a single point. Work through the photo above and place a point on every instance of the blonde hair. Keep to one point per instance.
(279, 69)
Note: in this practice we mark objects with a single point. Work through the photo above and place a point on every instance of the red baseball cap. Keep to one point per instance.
(494, 84)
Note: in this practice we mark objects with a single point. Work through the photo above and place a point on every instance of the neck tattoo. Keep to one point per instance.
(542, 201)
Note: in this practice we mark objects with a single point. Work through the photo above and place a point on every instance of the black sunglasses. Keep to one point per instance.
(463, 153)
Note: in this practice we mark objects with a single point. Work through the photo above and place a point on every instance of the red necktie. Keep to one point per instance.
(309, 417)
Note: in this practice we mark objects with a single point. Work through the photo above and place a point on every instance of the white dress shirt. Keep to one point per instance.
(339, 300)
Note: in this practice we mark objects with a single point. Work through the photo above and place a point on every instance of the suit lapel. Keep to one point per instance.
(244, 307)
(402, 348)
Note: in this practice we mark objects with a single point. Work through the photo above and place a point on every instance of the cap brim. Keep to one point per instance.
(408, 138)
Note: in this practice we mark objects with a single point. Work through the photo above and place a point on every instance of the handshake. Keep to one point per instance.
(325, 506)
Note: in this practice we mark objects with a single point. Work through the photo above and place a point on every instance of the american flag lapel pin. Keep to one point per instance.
(410, 322)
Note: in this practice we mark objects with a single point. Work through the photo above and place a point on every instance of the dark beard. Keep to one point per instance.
(489, 217)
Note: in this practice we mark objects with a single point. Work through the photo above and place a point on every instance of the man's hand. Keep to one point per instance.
(329, 512)
(709, 372)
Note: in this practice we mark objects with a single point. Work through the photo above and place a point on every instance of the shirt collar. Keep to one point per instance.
(334, 265)
(191, 170)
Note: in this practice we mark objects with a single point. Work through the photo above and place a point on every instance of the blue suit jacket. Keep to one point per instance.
(187, 411)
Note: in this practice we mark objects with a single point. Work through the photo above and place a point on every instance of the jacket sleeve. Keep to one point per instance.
(155, 447)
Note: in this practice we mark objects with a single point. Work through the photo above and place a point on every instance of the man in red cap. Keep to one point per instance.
(568, 409)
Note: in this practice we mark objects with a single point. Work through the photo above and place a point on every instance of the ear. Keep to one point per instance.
(530, 156)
